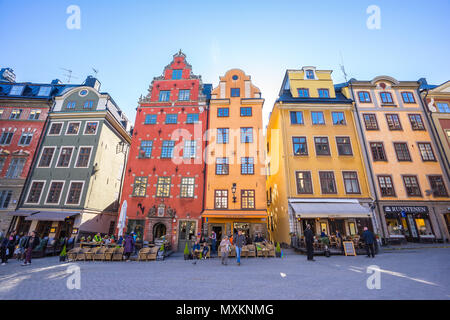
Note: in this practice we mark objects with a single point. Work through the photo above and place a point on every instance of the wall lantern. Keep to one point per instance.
(233, 190)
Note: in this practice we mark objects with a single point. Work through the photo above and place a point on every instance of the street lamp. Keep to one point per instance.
(233, 190)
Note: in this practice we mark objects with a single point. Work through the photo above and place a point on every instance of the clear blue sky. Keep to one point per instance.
(131, 41)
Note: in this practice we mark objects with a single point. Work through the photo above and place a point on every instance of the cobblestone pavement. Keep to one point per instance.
(405, 274)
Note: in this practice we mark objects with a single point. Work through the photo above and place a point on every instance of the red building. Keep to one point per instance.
(164, 177)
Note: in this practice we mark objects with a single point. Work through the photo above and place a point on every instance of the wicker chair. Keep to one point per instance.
(89, 255)
(271, 250)
(251, 250)
(99, 254)
(232, 251)
(244, 252)
(72, 254)
(153, 253)
(118, 254)
(143, 254)
(107, 255)
(81, 255)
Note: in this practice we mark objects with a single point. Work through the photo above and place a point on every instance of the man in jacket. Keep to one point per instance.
(213, 242)
(31, 243)
(239, 242)
(369, 239)
(309, 239)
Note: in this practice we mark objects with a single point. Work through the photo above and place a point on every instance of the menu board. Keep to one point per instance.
(349, 248)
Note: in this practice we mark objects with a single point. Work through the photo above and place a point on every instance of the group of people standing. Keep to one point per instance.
(22, 245)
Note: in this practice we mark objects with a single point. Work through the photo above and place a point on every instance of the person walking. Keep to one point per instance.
(213, 242)
(239, 241)
(369, 240)
(128, 246)
(309, 239)
(31, 243)
(225, 249)
(4, 251)
(22, 240)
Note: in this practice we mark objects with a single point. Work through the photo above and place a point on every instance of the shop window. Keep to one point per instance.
(352, 228)
(324, 228)
(394, 227)
(424, 227)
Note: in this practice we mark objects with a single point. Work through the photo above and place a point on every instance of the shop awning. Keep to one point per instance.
(329, 209)
(52, 215)
(22, 213)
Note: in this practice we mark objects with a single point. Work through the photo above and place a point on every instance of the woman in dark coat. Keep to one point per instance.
(128, 246)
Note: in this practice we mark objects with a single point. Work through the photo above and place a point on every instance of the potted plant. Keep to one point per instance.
(326, 242)
(186, 252)
(278, 250)
(160, 254)
(63, 254)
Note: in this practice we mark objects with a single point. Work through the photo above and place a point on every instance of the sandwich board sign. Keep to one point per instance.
(349, 248)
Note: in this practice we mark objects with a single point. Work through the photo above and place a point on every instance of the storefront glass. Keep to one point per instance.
(424, 227)
(352, 228)
(394, 227)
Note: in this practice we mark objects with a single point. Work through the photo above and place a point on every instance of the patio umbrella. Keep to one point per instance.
(122, 218)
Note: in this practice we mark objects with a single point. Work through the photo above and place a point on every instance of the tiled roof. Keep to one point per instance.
(286, 97)
(32, 90)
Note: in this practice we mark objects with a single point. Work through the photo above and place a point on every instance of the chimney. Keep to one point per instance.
(56, 81)
(92, 82)
(7, 74)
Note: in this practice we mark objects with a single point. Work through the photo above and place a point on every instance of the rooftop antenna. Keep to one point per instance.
(343, 68)
(95, 71)
(69, 75)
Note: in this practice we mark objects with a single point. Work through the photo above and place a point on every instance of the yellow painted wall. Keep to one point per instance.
(297, 80)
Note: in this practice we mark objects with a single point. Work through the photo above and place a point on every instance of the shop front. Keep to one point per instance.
(410, 223)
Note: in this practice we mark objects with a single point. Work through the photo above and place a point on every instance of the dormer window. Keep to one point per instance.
(44, 91)
(324, 93)
(310, 74)
(16, 90)
(303, 92)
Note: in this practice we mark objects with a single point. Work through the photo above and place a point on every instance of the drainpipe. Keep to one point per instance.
(207, 106)
(372, 179)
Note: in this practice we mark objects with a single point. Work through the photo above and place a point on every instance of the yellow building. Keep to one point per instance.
(235, 178)
(316, 171)
(407, 170)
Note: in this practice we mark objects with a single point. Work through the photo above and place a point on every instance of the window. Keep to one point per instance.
(222, 166)
(351, 183)
(408, 97)
(184, 95)
(304, 182)
(5, 198)
(54, 192)
(71, 105)
(393, 122)
(386, 186)
(386, 97)
(15, 114)
(438, 186)
(64, 157)
(44, 91)
(190, 149)
(223, 112)
(74, 194)
(322, 146)
(91, 128)
(34, 114)
(364, 97)
(164, 95)
(338, 118)
(344, 146)
(88, 104)
(6, 138)
(327, 182)
(176, 74)
(25, 139)
(317, 117)
(247, 199)
(171, 118)
(416, 122)
(402, 152)
(246, 111)
(221, 199)
(140, 186)
(145, 150)
(73, 128)
(246, 135)
(300, 146)
(247, 165)
(370, 121)
(426, 151)
(55, 129)
(163, 187)
(324, 93)
(83, 157)
(35, 192)
(222, 135)
(15, 168)
(46, 157)
(296, 117)
(443, 107)
(378, 153)
(187, 187)
(16, 90)
(412, 186)
(2, 163)
(235, 92)
(309, 74)
(167, 149)
(303, 92)
(150, 119)
(192, 118)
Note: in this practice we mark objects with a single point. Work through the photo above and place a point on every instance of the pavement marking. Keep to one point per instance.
(283, 275)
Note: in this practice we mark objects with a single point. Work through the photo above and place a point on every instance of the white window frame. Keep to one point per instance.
(40, 196)
(55, 135)
(96, 129)
(68, 191)
(78, 154)
(42, 152)
(67, 128)
(59, 155)
(48, 192)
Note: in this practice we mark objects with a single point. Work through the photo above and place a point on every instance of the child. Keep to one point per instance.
(225, 248)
